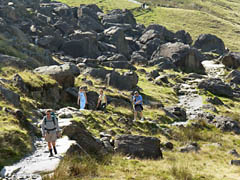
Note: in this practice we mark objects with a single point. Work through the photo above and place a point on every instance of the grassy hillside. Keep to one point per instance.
(209, 16)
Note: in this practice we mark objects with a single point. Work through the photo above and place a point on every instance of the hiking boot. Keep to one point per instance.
(51, 153)
(142, 119)
(55, 150)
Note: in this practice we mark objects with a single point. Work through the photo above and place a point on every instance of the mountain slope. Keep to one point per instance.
(197, 17)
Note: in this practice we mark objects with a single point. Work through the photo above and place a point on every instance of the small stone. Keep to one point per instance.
(234, 153)
(168, 145)
(235, 162)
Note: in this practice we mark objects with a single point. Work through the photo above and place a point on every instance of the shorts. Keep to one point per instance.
(51, 136)
(138, 108)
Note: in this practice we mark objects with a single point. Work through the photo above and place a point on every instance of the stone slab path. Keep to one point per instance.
(29, 167)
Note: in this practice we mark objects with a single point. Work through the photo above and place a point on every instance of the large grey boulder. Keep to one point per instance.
(149, 35)
(85, 45)
(63, 74)
(210, 43)
(85, 140)
(50, 42)
(127, 81)
(91, 10)
(116, 37)
(64, 27)
(184, 37)
(163, 32)
(183, 56)
(151, 46)
(231, 60)
(138, 146)
(139, 57)
(217, 87)
(88, 23)
(119, 16)
(96, 72)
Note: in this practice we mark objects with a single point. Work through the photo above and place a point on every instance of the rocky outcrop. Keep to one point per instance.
(191, 147)
(182, 55)
(120, 17)
(63, 74)
(83, 45)
(226, 124)
(210, 43)
(116, 36)
(138, 146)
(177, 113)
(217, 87)
(184, 37)
(76, 131)
(126, 81)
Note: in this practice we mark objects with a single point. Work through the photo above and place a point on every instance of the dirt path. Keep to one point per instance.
(29, 167)
(191, 101)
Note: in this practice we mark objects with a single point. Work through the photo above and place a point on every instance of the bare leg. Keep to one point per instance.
(53, 143)
(135, 115)
(49, 145)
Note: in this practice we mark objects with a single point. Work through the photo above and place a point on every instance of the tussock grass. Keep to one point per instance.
(75, 167)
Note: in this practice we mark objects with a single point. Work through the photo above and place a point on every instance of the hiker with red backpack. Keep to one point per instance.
(50, 131)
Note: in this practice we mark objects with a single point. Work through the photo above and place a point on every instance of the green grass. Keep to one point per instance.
(175, 165)
(106, 5)
(15, 141)
(36, 80)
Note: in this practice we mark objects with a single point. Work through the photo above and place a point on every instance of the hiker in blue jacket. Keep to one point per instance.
(50, 130)
(138, 105)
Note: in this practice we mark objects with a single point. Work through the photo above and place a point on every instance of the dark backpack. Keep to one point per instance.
(53, 120)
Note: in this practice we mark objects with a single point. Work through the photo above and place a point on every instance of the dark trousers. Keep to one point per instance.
(102, 106)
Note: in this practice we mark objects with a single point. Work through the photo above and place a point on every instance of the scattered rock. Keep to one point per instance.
(210, 107)
(234, 153)
(138, 146)
(217, 87)
(235, 162)
(176, 112)
(183, 56)
(190, 148)
(226, 124)
(168, 145)
(231, 60)
(234, 76)
(215, 101)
